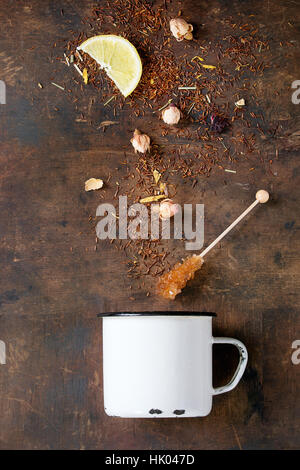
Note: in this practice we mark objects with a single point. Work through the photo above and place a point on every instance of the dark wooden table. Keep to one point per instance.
(53, 283)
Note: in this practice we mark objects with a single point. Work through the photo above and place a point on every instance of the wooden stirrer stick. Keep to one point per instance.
(261, 196)
(172, 283)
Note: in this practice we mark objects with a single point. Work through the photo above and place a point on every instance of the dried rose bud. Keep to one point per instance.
(218, 123)
(140, 142)
(181, 29)
(171, 115)
(168, 209)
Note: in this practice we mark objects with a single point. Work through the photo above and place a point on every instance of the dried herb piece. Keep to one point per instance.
(208, 66)
(58, 86)
(85, 76)
(218, 123)
(197, 57)
(104, 124)
(163, 188)
(145, 200)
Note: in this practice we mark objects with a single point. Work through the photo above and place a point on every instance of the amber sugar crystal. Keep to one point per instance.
(172, 283)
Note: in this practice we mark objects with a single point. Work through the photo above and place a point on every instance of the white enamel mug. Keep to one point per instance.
(159, 364)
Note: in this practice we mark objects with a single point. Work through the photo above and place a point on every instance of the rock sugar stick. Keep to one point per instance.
(172, 283)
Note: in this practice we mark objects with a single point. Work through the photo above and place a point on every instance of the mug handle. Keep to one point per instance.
(240, 368)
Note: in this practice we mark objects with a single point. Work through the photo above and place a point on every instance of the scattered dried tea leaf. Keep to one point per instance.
(156, 176)
(92, 184)
(152, 198)
(85, 76)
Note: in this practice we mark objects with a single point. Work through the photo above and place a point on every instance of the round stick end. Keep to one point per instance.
(262, 196)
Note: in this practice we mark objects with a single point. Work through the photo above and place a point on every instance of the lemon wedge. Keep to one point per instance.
(118, 57)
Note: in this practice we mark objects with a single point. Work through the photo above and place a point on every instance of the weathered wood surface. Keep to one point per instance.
(51, 386)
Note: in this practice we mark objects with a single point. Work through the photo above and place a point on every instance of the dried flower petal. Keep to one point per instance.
(152, 198)
(156, 176)
(85, 76)
(240, 102)
(140, 142)
(197, 57)
(208, 66)
(93, 183)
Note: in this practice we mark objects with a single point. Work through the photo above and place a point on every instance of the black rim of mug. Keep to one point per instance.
(160, 313)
